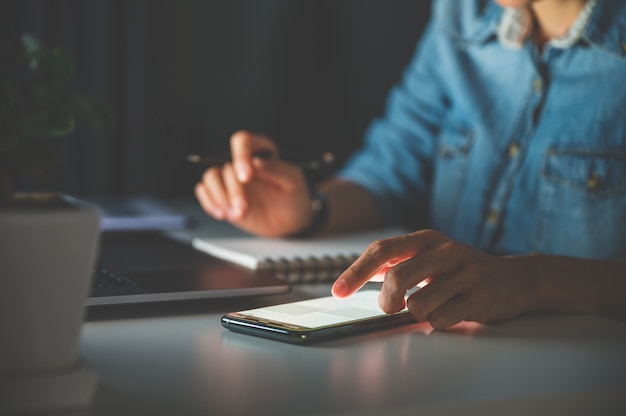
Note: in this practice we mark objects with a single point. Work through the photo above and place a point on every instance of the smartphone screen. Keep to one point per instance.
(316, 319)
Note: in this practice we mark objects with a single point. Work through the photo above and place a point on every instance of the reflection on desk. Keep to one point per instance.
(188, 364)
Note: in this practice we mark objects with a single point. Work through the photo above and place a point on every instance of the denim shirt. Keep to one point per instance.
(510, 151)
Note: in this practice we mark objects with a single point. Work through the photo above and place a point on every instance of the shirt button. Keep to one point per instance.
(538, 85)
(594, 181)
(513, 150)
(492, 216)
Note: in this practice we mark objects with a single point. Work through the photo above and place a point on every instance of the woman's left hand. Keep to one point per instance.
(463, 284)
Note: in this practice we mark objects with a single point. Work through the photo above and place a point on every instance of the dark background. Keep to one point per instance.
(181, 76)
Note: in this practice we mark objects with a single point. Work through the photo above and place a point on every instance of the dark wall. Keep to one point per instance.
(181, 76)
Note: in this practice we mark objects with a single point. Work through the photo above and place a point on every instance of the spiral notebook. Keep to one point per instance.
(295, 260)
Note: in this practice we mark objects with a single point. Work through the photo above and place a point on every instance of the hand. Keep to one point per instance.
(462, 283)
(267, 197)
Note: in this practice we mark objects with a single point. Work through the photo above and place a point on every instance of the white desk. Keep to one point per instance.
(178, 360)
(188, 364)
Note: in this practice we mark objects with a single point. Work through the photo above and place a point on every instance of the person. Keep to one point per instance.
(503, 146)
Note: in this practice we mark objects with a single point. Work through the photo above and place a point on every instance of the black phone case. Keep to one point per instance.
(300, 335)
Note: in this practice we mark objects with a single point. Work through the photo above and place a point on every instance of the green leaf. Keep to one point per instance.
(57, 66)
(31, 44)
(32, 50)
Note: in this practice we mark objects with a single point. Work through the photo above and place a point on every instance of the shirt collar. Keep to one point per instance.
(516, 25)
(605, 26)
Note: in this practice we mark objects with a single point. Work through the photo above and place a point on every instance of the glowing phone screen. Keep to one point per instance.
(321, 312)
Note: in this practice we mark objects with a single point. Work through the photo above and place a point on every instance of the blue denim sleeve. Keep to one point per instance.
(395, 163)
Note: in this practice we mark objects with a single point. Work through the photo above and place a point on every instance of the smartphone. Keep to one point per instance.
(316, 319)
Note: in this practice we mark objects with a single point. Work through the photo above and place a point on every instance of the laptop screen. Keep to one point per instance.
(138, 267)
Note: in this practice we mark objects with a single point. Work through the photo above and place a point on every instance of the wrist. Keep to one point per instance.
(319, 208)
(556, 284)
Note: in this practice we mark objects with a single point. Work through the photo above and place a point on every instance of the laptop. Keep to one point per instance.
(139, 267)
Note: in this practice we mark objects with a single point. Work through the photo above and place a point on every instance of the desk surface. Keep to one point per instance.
(177, 359)
(160, 364)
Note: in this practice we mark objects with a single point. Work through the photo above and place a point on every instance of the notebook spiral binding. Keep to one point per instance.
(308, 269)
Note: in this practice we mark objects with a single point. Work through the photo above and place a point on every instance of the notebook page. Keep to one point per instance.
(330, 252)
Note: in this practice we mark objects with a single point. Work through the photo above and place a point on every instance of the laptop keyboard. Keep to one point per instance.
(105, 278)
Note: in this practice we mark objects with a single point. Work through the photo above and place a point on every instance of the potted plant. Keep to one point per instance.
(48, 240)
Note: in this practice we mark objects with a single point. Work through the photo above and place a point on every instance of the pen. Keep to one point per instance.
(306, 161)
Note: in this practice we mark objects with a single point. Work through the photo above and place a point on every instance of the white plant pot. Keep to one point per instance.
(47, 254)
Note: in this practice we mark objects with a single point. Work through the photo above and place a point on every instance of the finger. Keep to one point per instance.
(438, 292)
(432, 263)
(206, 202)
(450, 313)
(213, 181)
(378, 255)
(383, 253)
(243, 146)
(395, 286)
(234, 193)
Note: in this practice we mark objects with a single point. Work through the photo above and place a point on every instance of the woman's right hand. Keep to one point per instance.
(263, 196)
